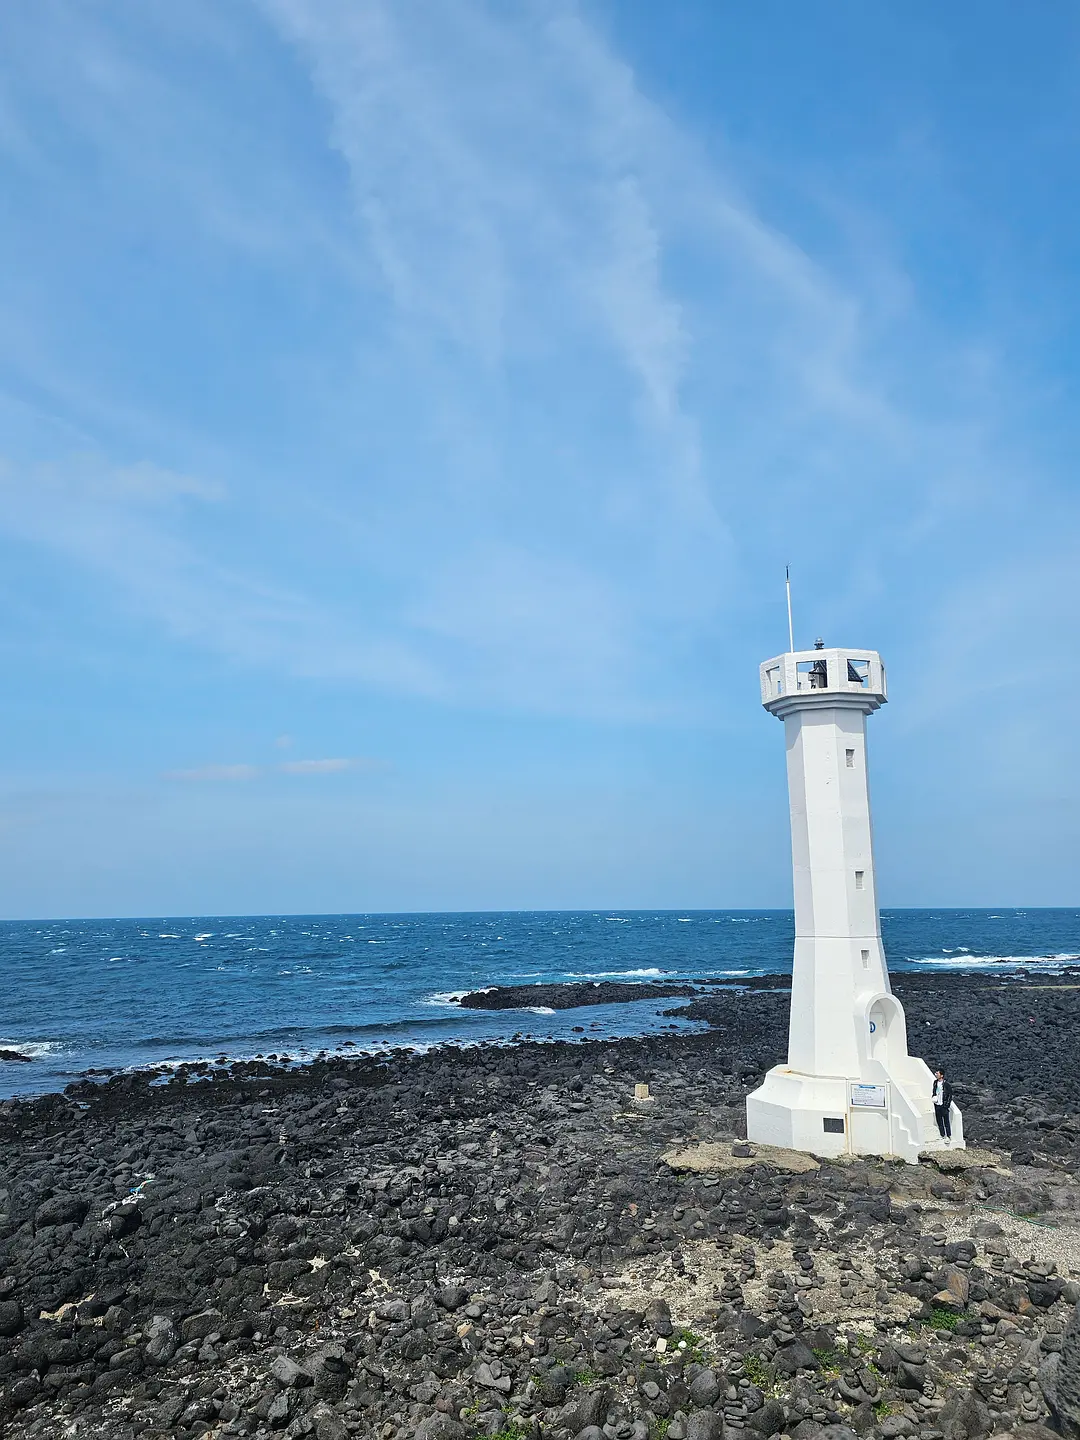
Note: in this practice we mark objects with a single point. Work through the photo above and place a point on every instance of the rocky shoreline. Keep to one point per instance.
(501, 1241)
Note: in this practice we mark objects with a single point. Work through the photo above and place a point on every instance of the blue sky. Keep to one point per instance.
(407, 411)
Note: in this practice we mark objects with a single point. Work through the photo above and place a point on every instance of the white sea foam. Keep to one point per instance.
(208, 936)
(614, 974)
(449, 997)
(539, 1009)
(997, 962)
(35, 1049)
(168, 935)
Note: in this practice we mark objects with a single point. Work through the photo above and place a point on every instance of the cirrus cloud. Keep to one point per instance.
(332, 766)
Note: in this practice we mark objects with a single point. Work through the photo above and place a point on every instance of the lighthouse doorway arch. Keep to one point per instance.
(888, 1031)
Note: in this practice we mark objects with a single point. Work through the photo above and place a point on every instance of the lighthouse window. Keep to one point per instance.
(773, 681)
(860, 876)
(865, 959)
(858, 673)
(849, 759)
(832, 1126)
(813, 674)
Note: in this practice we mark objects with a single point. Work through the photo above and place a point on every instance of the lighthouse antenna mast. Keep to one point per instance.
(790, 631)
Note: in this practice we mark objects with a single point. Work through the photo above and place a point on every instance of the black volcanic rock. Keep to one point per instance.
(570, 997)
(487, 1240)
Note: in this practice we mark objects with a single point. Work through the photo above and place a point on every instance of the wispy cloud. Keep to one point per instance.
(215, 772)
(288, 767)
(585, 386)
(133, 525)
(322, 767)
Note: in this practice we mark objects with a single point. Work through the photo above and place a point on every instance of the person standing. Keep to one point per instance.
(943, 1105)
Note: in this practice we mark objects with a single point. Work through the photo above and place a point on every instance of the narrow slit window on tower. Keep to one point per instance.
(849, 759)
(865, 959)
(860, 877)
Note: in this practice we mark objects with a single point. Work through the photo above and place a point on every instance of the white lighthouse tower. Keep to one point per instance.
(849, 1085)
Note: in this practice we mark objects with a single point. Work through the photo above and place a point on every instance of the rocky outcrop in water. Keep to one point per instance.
(569, 997)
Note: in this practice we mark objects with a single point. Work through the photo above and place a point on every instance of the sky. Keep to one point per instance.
(407, 411)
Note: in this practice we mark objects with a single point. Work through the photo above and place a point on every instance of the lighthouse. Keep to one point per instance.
(849, 1086)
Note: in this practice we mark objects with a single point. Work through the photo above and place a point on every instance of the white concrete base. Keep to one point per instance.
(790, 1110)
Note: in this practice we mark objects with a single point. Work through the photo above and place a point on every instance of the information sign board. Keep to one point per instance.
(869, 1097)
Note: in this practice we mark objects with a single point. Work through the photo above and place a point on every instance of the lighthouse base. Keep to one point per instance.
(832, 1115)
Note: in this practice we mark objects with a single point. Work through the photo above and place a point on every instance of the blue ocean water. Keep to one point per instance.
(77, 994)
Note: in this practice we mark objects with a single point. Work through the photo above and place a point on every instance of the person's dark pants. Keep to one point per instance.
(944, 1124)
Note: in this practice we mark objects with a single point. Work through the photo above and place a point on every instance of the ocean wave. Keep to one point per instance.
(652, 974)
(539, 1009)
(35, 1049)
(955, 961)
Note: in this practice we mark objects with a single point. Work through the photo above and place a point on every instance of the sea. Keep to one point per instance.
(79, 995)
